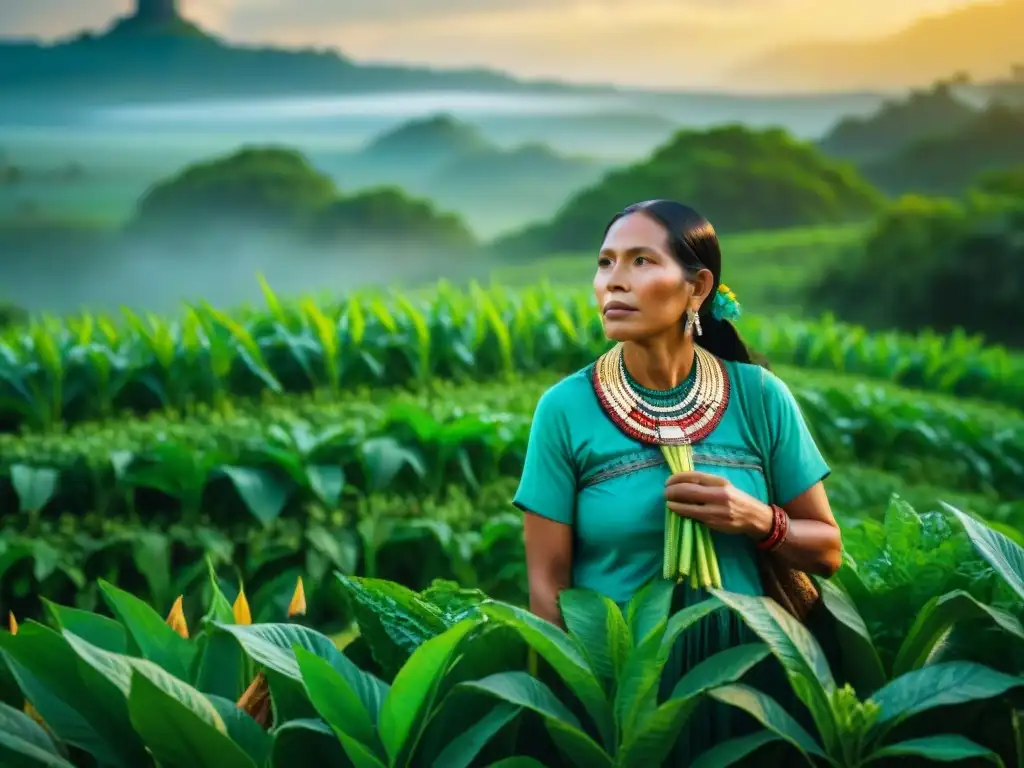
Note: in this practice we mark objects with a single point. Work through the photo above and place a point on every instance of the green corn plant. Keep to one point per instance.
(390, 732)
(135, 690)
(850, 731)
(376, 723)
(925, 640)
(87, 367)
(612, 663)
(471, 437)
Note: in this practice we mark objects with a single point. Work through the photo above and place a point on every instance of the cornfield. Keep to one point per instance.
(58, 372)
(268, 458)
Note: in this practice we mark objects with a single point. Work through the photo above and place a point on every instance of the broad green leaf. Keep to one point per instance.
(119, 670)
(936, 620)
(581, 750)
(243, 730)
(1005, 556)
(683, 620)
(940, 749)
(464, 748)
(99, 630)
(860, 659)
(526, 692)
(727, 753)
(495, 647)
(81, 706)
(24, 744)
(151, 554)
(724, 667)
(327, 483)
(559, 650)
(518, 762)
(770, 714)
(799, 653)
(221, 667)
(220, 609)
(180, 733)
(34, 486)
(384, 458)
(653, 737)
(311, 741)
(335, 700)
(413, 692)
(938, 685)
(18, 753)
(637, 693)
(641, 675)
(657, 733)
(150, 634)
(393, 619)
(649, 607)
(596, 624)
(264, 493)
(272, 646)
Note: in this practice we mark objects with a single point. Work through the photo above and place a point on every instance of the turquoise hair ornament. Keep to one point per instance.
(725, 305)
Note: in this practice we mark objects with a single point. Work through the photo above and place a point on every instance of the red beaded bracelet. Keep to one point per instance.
(777, 535)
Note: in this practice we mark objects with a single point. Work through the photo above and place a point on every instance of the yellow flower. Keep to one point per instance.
(241, 608)
(12, 622)
(297, 607)
(176, 619)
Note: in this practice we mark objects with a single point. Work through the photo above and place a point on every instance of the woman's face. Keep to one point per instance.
(641, 289)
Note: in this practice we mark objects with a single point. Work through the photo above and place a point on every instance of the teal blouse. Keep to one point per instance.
(581, 470)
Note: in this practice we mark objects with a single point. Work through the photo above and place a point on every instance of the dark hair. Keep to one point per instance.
(695, 246)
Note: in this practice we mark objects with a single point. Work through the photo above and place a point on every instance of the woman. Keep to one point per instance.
(595, 485)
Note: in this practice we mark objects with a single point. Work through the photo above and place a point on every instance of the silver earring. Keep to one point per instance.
(695, 321)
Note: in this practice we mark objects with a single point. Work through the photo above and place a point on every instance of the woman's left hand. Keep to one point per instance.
(717, 503)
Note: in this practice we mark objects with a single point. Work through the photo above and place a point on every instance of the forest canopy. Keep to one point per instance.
(280, 189)
(741, 179)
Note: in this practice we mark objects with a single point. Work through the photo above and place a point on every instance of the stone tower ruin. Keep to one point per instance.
(156, 11)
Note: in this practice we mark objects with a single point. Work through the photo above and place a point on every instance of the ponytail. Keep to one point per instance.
(720, 338)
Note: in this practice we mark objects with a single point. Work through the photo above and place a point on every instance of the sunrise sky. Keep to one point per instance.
(630, 42)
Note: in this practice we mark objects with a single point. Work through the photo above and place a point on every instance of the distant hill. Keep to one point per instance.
(947, 164)
(138, 60)
(982, 39)
(452, 162)
(528, 168)
(422, 146)
(741, 179)
(499, 189)
(898, 123)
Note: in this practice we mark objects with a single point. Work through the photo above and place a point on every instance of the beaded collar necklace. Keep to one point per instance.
(682, 422)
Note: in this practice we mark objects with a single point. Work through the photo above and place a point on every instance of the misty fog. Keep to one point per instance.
(149, 277)
(93, 164)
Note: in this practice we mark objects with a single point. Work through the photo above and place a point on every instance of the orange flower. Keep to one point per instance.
(176, 619)
(241, 608)
(297, 607)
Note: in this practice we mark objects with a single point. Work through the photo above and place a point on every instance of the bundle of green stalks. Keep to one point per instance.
(689, 551)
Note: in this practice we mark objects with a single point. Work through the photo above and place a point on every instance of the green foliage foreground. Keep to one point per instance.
(455, 679)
